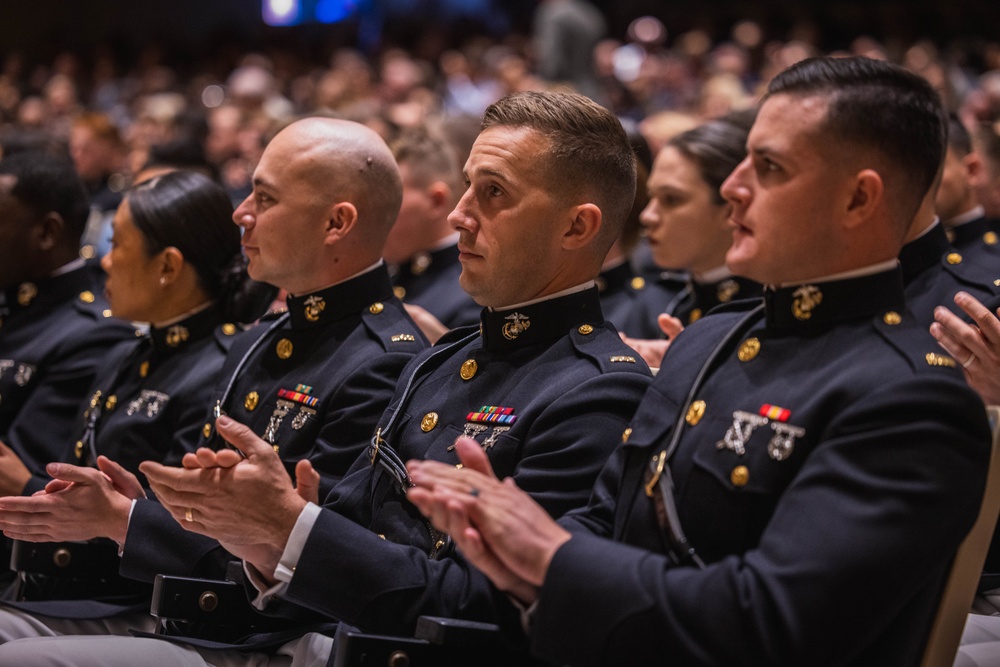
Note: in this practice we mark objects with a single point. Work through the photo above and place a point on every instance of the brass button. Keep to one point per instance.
(206, 430)
(991, 238)
(283, 348)
(892, 318)
(695, 413)
(586, 329)
(78, 449)
(111, 402)
(376, 308)
(626, 434)
(87, 297)
(953, 258)
(399, 291)
(429, 421)
(749, 349)
(229, 328)
(250, 402)
(694, 316)
(144, 369)
(739, 476)
(638, 283)
(469, 369)
(106, 312)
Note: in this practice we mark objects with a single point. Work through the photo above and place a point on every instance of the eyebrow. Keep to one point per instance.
(258, 181)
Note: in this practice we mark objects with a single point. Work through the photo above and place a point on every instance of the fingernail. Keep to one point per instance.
(223, 420)
(53, 469)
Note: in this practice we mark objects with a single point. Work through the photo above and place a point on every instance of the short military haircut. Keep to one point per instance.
(45, 184)
(589, 154)
(429, 157)
(880, 106)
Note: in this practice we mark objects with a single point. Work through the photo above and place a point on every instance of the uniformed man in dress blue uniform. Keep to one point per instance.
(796, 481)
(970, 230)
(543, 386)
(55, 325)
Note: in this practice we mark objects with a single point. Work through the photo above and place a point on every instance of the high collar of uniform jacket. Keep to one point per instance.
(350, 297)
(615, 279)
(174, 337)
(67, 286)
(427, 262)
(541, 322)
(924, 252)
(969, 232)
(731, 288)
(816, 306)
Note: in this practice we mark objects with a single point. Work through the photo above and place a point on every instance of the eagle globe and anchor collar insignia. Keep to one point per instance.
(806, 307)
(540, 322)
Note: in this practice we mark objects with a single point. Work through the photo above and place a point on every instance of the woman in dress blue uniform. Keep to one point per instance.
(686, 225)
(176, 263)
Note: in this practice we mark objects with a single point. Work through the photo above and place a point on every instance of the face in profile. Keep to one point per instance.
(282, 218)
(785, 195)
(685, 224)
(132, 286)
(509, 220)
(16, 221)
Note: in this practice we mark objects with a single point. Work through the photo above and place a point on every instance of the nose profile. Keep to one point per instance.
(243, 216)
(459, 218)
(735, 189)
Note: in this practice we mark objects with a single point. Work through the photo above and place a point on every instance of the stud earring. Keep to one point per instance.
(163, 280)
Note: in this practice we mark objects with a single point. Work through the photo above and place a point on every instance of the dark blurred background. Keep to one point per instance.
(188, 30)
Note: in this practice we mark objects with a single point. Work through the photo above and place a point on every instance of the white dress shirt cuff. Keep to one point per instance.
(289, 558)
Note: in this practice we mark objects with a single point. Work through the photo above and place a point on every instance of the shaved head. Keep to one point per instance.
(340, 160)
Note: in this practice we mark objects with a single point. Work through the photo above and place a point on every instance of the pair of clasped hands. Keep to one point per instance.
(243, 498)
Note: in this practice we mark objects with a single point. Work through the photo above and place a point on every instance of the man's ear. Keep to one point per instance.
(866, 197)
(341, 220)
(50, 231)
(439, 195)
(585, 224)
